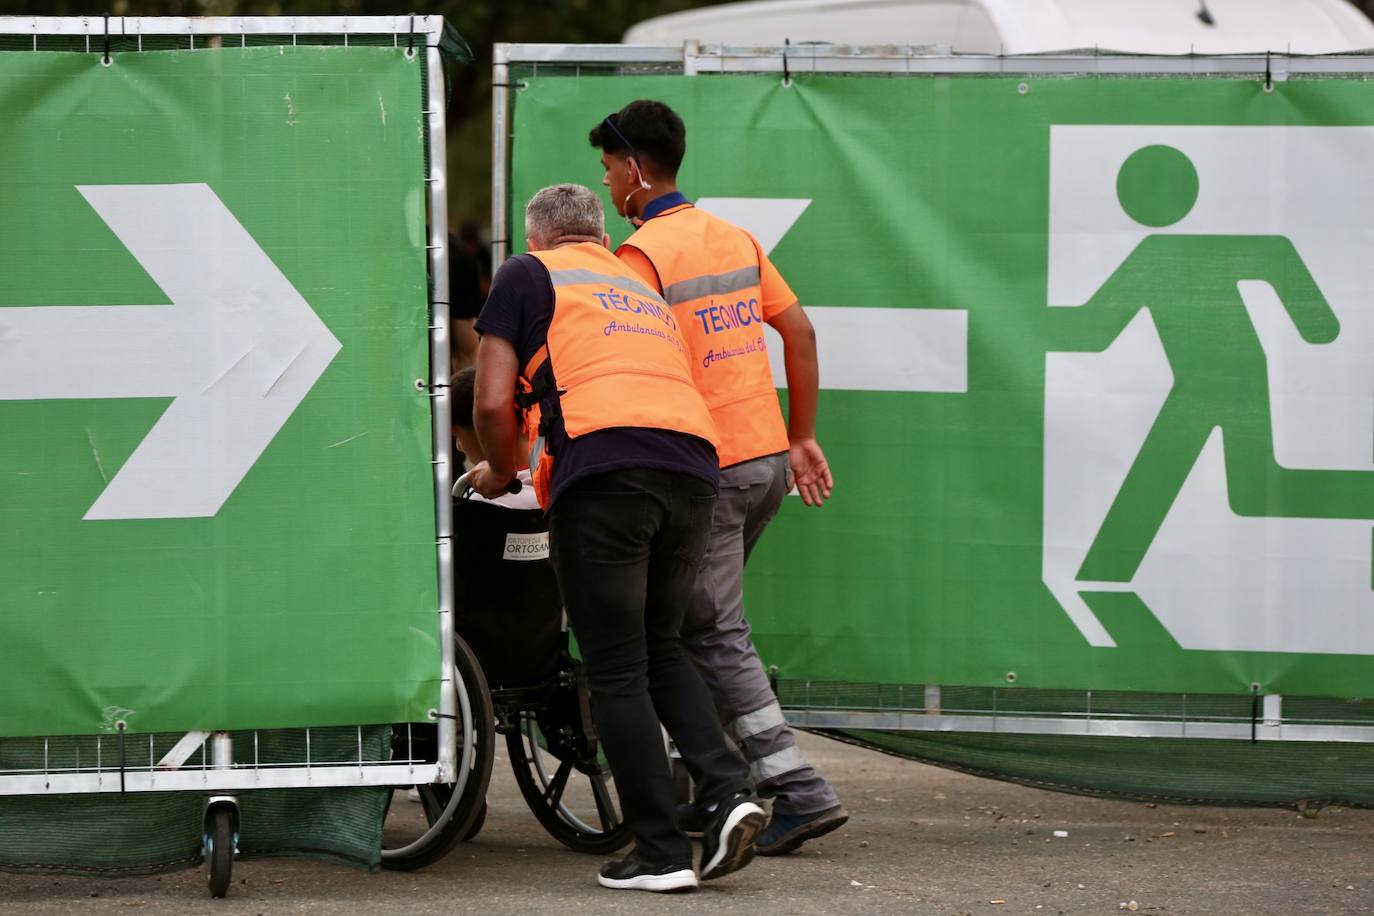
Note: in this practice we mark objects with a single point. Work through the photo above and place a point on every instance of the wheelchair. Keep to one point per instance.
(514, 654)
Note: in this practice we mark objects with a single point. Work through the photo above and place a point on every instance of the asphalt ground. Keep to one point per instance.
(921, 840)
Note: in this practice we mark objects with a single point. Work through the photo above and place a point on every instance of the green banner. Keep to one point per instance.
(215, 480)
(1096, 364)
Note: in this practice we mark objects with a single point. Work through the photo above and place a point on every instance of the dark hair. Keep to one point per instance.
(461, 390)
(464, 281)
(651, 130)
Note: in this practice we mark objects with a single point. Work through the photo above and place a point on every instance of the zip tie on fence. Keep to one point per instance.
(1254, 713)
(786, 73)
(1268, 74)
(410, 47)
(105, 60)
(121, 726)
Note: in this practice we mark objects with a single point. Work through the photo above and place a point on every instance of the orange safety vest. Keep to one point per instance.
(709, 272)
(614, 357)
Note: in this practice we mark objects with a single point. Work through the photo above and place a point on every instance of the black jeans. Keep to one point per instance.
(626, 546)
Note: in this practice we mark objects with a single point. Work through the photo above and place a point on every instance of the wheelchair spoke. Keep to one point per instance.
(605, 808)
(558, 784)
(430, 803)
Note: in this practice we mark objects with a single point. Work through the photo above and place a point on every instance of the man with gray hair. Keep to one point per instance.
(626, 466)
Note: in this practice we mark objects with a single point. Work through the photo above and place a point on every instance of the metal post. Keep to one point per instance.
(221, 751)
(690, 51)
(1273, 710)
(932, 699)
(437, 185)
(500, 164)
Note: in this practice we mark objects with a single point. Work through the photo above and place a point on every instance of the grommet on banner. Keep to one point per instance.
(786, 73)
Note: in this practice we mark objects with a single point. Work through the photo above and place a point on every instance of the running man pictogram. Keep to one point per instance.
(1190, 284)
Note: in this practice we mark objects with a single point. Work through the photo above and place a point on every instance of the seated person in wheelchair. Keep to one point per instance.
(506, 584)
(462, 386)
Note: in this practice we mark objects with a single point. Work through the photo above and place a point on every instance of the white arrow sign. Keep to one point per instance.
(891, 348)
(238, 349)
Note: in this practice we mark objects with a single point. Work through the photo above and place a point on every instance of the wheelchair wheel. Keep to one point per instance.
(570, 793)
(477, 823)
(448, 816)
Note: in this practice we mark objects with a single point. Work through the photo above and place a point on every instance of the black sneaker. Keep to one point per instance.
(691, 820)
(727, 844)
(630, 874)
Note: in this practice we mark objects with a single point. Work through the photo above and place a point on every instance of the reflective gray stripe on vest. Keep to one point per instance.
(577, 275)
(713, 285)
(775, 765)
(757, 722)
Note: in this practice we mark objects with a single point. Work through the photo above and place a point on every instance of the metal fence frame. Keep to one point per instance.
(1269, 725)
(203, 761)
(692, 58)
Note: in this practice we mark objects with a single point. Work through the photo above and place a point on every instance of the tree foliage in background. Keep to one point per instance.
(481, 22)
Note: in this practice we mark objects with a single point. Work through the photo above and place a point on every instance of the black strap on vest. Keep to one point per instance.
(540, 383)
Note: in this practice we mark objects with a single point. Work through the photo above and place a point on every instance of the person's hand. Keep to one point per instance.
(487, 483)
(812, 474)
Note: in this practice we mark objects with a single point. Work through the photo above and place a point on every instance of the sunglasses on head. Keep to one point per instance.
(616, 130)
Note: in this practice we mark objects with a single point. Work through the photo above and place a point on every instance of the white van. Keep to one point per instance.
(1028, 26)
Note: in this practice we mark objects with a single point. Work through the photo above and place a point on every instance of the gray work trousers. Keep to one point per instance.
(716, 636)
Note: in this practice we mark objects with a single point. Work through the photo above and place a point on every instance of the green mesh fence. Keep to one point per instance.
(1190, 771)
(144, 833)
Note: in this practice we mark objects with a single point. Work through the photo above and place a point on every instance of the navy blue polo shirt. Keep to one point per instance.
(664, 202)
(518, 310)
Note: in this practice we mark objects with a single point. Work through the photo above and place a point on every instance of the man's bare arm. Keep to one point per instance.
(493, 415)
(807, 461)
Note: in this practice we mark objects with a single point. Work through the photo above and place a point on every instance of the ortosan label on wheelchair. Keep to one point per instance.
(533, 546)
